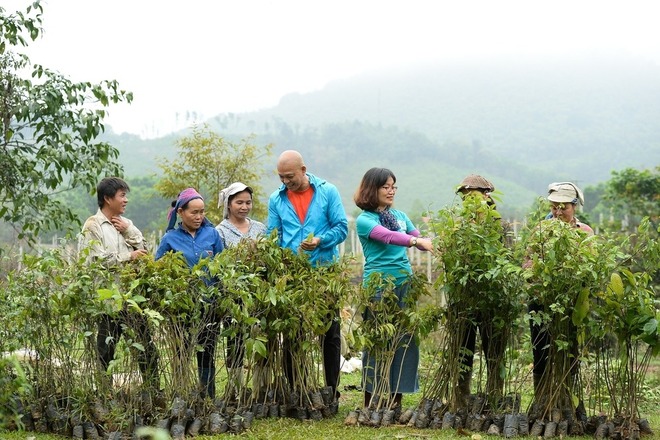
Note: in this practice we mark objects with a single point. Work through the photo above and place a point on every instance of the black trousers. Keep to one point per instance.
(541, 340)
(235, 347)
(332, 354)
(110, 331)
(331, 343)
(493, 344)
(207, 338)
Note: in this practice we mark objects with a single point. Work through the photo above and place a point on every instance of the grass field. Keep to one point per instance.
(291, 429)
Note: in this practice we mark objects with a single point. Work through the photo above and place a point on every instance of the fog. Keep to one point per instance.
(203, 58)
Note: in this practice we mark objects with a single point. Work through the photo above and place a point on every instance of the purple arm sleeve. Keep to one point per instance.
(382, 234)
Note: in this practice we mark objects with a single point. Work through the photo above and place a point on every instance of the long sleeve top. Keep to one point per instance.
(205, 244)
(231, 235)
(382, 251)
(106, 243)
(325, 218)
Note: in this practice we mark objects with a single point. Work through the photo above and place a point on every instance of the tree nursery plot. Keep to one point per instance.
(277, 303)
(551, 333)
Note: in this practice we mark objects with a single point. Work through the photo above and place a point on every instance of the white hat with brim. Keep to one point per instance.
(565, 192)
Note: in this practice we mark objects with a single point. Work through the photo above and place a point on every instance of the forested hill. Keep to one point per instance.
(522, 124)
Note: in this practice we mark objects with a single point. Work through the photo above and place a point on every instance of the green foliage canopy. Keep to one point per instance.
(636, 190)
(476, 256)
(208, 162)
(49, 126)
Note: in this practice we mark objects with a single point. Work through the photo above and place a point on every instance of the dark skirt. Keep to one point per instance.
(403, 373)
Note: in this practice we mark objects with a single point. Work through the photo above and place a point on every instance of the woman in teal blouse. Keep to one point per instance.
(386, 234)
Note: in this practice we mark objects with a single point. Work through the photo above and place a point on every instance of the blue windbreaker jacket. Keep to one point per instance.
(325, 218)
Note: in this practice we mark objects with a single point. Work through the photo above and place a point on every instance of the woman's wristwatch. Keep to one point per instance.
(413, 242)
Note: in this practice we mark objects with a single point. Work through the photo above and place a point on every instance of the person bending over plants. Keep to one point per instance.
(386, 234)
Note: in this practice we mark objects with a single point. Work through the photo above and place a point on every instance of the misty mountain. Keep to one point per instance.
(521, 123)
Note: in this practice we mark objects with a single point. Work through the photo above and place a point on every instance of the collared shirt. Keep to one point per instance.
(106, 243)
(205, 244)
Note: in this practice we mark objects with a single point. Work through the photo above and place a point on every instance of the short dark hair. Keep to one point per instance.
(108, 187)
(366, 196)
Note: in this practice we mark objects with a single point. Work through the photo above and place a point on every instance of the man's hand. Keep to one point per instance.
(138, 253)
(310, 245)
(119, 223)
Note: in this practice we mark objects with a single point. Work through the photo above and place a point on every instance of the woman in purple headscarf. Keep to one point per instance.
(195, 238)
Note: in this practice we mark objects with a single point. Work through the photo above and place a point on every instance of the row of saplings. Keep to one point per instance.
(266, 306)
(594, 302)
(274, 307)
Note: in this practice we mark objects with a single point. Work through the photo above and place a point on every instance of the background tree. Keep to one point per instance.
(48, 132)
(209, 163)
(637, 191)
(147, 208)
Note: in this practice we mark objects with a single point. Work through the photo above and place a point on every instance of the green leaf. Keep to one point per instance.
(581, 307)
(651, 326)
(132, 305)
(575, 399)
(105, 294)
(260, 348)
(134, 284)
(616, 284)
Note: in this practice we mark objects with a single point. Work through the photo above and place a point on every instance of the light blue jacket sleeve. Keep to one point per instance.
(274, 219)
(338, 224)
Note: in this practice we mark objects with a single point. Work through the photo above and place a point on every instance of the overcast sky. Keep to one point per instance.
(219, 56)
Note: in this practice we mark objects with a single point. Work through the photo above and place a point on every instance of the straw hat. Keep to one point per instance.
(475, 181)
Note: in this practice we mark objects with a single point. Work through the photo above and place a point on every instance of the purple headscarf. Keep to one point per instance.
(182, 199)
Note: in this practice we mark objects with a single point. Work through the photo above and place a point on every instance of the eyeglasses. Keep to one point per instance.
(389, 188)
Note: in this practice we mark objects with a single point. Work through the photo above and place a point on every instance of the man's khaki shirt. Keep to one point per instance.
(106, 243)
